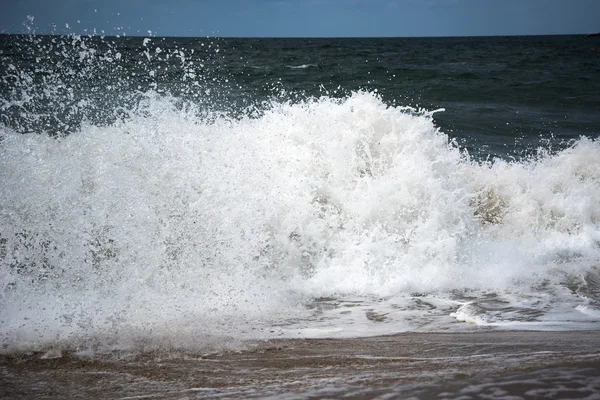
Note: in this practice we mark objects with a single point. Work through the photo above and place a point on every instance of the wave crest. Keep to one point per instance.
(173, 221)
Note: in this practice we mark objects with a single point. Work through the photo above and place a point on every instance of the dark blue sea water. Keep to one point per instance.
(186, 192)
(500, 94)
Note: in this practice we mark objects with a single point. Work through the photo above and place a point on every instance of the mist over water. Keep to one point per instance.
(153, 197)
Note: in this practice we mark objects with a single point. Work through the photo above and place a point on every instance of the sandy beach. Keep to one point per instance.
(414, 365)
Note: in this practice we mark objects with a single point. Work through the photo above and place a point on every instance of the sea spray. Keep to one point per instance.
(167, 229)
(148, 202)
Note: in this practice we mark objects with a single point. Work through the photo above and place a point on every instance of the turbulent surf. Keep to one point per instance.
(156, 197)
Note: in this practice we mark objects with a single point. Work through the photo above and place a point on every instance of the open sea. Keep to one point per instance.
(295, 218)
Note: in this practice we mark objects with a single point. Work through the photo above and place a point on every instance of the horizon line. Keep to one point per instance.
(293, 37)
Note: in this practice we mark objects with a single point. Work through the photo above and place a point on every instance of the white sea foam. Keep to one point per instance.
(171, 230)
(302, 66)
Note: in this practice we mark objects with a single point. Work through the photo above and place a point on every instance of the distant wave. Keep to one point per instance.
(303, 66)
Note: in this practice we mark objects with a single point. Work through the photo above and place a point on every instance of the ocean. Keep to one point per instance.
(207, 201)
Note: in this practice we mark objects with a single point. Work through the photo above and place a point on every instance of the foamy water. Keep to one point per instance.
(173, 226)
(323, 218)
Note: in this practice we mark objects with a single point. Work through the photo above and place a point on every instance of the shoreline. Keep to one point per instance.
(419, 364)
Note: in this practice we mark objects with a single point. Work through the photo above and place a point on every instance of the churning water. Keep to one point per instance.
(191, 193)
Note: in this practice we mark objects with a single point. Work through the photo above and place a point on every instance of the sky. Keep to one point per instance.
(301, 18)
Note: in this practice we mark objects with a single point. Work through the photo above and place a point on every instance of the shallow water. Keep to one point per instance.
(510, 365)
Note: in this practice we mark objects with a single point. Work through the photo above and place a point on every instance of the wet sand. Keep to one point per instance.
(414, 365)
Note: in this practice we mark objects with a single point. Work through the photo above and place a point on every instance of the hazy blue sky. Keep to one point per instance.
(304, 17)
